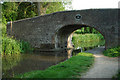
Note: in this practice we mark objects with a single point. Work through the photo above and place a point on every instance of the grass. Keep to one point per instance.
(86, 37)
(67, 69)
(112, 52)
(87, 40)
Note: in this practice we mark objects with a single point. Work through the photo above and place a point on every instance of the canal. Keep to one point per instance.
(20, 63)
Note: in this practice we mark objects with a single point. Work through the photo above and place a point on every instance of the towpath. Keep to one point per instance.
(103, 67)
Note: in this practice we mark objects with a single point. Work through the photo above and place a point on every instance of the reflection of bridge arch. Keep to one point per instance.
(64, 34)
(41, 31)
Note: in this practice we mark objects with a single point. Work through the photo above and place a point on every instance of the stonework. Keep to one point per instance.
(52, 31)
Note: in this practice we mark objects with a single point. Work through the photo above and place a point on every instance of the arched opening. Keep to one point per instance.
(65, 35)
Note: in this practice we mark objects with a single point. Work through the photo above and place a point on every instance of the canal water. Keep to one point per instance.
(20, 63)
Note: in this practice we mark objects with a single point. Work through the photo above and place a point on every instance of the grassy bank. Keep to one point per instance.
(87, 40)
(67, 69)
(112, 52)
(85, 37)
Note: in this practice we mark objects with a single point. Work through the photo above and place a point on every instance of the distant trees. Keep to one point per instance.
(49, 7)
(84, 30)
(19, 10)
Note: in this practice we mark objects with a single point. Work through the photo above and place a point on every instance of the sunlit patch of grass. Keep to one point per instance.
(87, 40)
(86, 37)
(67, 69)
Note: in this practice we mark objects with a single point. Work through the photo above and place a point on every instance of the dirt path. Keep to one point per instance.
(103, 67)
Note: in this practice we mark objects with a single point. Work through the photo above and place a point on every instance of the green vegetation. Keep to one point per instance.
(87, 40)
(10, 45)
(25, 47)
(67, 69)
(87, 37)
(117, 75)
(12, 11)
(85, 30)
(112, 52)
(20, 10)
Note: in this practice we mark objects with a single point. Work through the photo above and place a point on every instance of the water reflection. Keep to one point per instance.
(69, 52)
(28, 62)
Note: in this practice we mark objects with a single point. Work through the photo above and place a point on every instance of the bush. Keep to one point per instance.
(87, 40)
(113, 52)
(10, 46)
(25, 47)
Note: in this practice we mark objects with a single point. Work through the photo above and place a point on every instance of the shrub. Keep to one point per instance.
(87, 40)
(25, 47)
(112, 52)
(10, 46)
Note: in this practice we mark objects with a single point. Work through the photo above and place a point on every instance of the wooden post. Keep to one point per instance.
(11, 25)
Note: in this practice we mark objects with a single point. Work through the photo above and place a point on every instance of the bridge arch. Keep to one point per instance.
(64, 33)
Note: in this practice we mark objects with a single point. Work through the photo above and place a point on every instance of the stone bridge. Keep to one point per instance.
(51, 31)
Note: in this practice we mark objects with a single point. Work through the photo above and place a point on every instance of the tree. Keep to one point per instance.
(50, 7)
(55, 6)
(26, 10)
(9, 10)
(39, 8)
(19, 10)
